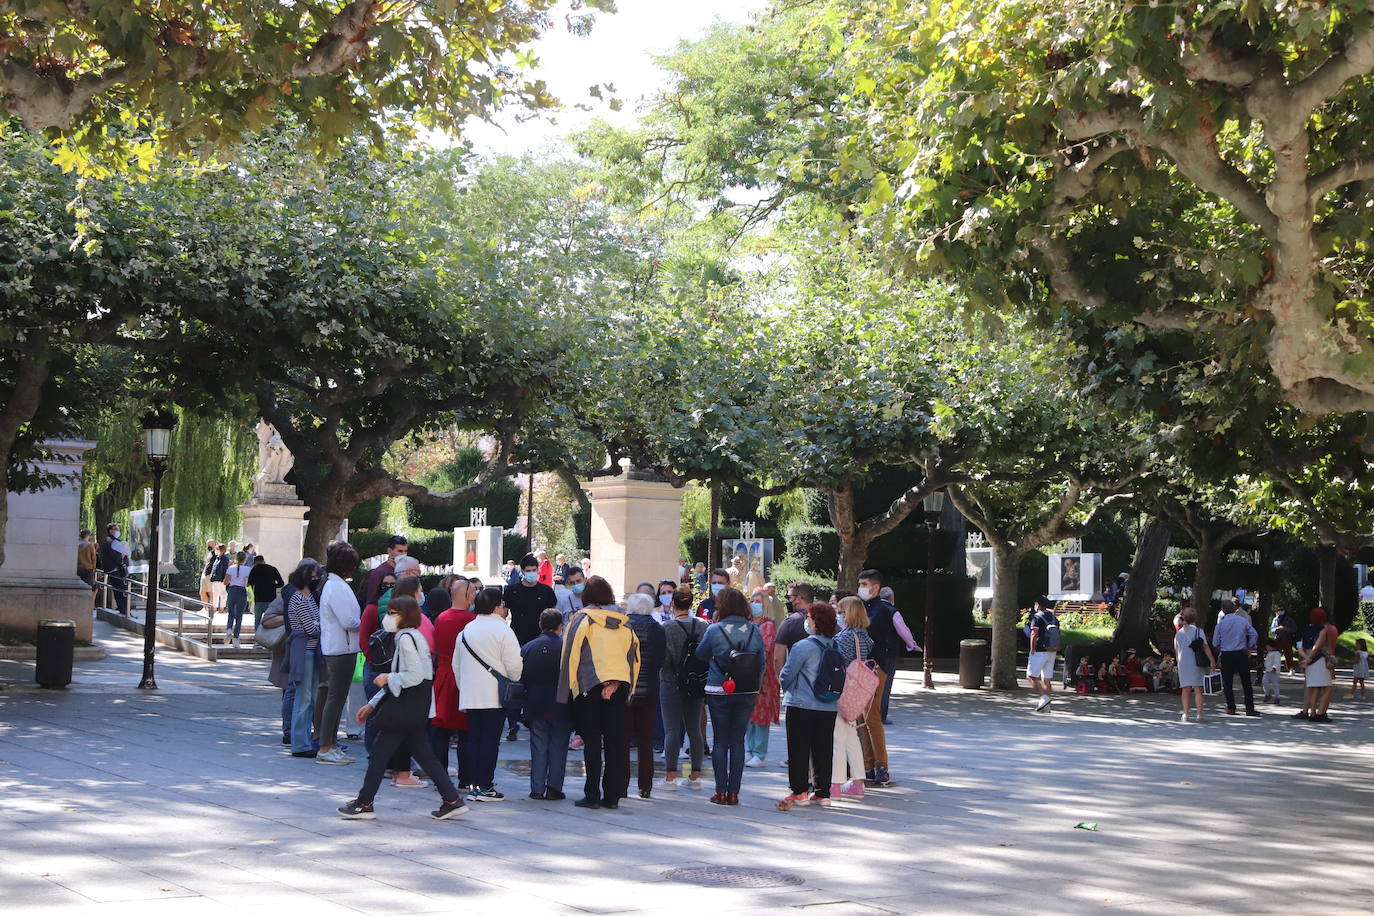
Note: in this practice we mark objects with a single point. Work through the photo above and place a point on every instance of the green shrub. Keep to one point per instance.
(514, 546)
(695, 545)
(811, 546)
(432, 548)
(582, 529)
(953, 610)
(502, 499)
(784, 573)
(366, 514)
(369, 543)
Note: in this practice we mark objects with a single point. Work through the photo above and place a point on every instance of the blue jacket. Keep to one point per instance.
(541, 657)
(653, 648)
(798, 675)
(722, 637)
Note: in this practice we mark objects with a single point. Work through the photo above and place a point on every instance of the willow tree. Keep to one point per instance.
(1202, 166)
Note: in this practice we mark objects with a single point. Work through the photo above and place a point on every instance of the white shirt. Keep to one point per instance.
(238, 575)
(1272, 659)
(494, 640)
(1367, 593)
(340, 617)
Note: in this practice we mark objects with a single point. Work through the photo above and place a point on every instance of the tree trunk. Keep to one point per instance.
(1133, 621)
(713, 532)
(1209, 551)
(1007, 565)
(323, 527)
(854, 542)
(1326, 579)
(29, 376)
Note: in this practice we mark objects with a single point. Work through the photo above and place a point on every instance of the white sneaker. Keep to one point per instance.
(1041, 703)
(670, 785)
(1183, 718)
(237, 645)
(335, 757)
(694, 783)
(754, 761)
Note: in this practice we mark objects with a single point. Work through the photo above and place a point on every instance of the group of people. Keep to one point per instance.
(1126, 673)
(581, 670)
(233, 578)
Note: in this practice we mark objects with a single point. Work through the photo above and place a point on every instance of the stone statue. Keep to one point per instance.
(274, 459)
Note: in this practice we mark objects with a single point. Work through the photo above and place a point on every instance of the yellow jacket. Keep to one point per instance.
(598, 646)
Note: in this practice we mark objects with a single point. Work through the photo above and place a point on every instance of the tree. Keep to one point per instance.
(118, 80)
(1203, 166)
(1133, 617)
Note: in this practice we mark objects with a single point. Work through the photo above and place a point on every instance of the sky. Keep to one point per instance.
(619, 51)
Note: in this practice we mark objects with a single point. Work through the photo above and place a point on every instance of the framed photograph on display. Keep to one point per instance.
(980, 568)
(140, 537)
(1075, 576)
(755, 556)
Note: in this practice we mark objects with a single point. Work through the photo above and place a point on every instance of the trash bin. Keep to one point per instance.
(56, 646)
(973, 658)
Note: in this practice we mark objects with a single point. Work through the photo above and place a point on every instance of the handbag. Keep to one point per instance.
(508, 693)
(407, 712)
(271, 637)
(1211, 683)
(860, 683)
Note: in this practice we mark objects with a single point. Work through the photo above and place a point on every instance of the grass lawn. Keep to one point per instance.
(1345, 646)
(1086, 635)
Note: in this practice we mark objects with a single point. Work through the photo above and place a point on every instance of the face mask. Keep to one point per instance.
(865, 594)
(529, 578)
(809, 629)
(665, 600)
(756, 608)
(391, 623)
(577, 589)
(115, 534)
(716, 588)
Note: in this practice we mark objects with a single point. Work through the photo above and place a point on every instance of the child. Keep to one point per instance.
(1272, 660)
(1086, 681)
(1151, 672)
(1361, 671)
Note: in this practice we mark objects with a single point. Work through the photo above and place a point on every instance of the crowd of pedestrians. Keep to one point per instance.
(623, 680)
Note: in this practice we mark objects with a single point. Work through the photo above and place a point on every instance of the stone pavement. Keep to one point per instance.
(115, 801)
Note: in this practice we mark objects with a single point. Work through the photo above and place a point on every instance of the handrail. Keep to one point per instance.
(168, 600)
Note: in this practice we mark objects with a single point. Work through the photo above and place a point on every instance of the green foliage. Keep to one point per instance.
(502, 499)
(785, 573)
(953, 616)
(366, 514)
(514, 546)
(810, 546)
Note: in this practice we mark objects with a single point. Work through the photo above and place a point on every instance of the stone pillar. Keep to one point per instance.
(272, 523)
(38, 578)
(636, 530)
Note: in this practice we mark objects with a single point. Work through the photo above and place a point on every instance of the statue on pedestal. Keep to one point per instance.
(274, 462)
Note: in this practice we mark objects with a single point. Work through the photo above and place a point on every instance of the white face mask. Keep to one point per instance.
(665, 600)
(807, 624)
(391, 623)
(865, 594)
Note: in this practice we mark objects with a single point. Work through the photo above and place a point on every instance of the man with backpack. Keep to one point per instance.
(682, 690)
(1044, 647)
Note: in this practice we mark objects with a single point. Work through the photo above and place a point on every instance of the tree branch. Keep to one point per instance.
(1357, 59)
(43, 102)
(341, 43)
(1323, 183)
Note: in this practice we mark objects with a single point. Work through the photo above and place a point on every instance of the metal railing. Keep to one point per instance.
(169, 602)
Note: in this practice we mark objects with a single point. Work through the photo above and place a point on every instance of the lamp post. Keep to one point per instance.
(933, 504)
(158, 424)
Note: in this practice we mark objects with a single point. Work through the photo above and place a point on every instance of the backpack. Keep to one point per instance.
(860, 684)
(828, 685)
(1049, 634)
(743, 667)
(381, 649)
(691, 671)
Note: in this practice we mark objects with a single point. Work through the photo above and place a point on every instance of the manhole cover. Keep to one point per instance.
(732, 876)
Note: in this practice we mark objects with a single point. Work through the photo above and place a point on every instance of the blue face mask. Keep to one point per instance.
(756, 608)
(716, 588)
(576, 589)
(529, 577)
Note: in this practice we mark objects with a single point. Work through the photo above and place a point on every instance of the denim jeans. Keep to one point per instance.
(288, 702)
(238, 603)
(259, 608)
(548, 754)
(889, 666)
(303, 707)
(756, 740)
(484, 745)
(729, 720)
(680, 714)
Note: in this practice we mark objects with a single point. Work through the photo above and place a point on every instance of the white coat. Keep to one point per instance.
(493, 639)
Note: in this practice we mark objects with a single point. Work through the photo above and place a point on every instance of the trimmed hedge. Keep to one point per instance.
(811, 546)
(513, 547)
(366, 514)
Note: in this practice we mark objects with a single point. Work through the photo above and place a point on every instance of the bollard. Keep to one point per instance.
(56, 647)
(973, 658)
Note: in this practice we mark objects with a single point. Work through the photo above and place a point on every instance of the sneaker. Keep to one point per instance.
(356, 812)
(310, 753)
(576, 743)
(694, 783)
(824, 802)
(670, 785)
(538, 796)
(488, 794)
(852, 789)
(835, 788)
(449, 809)
(754, 761)
(882, 779)
(1319, 717)
(790, 801)
(643, 794)
(407, 782)
(514, 730)
(1301, 714)
(868, 776)
(1041, 703)
(1183, 717)
(333, 757)
(553, 795)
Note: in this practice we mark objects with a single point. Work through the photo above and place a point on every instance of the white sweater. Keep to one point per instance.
(493, 639)
(340, 617)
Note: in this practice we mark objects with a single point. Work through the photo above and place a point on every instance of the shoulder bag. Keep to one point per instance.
(860, 683)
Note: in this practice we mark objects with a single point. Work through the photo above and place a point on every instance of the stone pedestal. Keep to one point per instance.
(636, 531)
(38, 578)
(272, 523)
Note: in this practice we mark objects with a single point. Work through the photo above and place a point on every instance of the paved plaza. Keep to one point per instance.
(185, 802)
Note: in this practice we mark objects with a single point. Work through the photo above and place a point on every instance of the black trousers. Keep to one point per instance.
(601, 723)
(810, 744)
(416, 743)
(641, 728)
(1236, 662)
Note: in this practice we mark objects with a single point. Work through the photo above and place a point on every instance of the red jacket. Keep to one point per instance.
(546, 572)
(447, 626)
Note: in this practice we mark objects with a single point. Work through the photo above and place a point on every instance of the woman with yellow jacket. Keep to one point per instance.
(600, 662)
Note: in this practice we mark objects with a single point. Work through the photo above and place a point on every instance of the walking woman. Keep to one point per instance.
(236, 582)
(767, 706)
(486, 647)
(406, 703)
(681, 700)
(810, 719)
(732, 686)
(1319, 666)
(1190, 673)
(600, 663)
(644, 697)
(302, 654)
(847, 760)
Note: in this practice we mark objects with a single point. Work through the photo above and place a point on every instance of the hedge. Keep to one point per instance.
(502, 502)
(366, 514)
(811, 546)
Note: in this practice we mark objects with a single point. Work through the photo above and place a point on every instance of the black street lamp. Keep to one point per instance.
(158, 424)
(933, 504)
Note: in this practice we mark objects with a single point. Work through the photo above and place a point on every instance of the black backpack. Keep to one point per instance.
(1049, 633)
(743, 667)
(1199, 647)
(691, 671)
(829, 680)
(381, 649)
